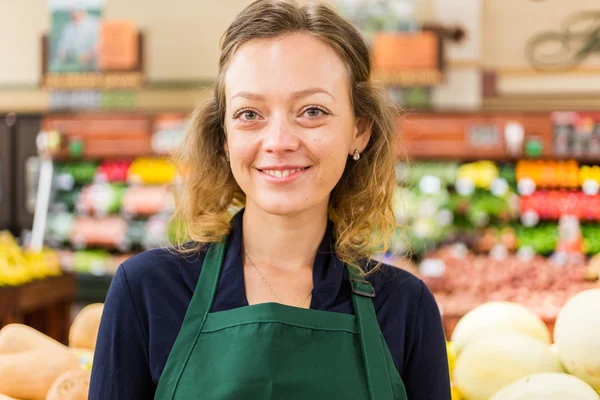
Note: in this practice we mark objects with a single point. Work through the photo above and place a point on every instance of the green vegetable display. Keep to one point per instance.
(542, 238)
(591, 238)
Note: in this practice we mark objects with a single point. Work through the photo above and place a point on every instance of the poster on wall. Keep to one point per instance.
(74, 35)
(374, 16)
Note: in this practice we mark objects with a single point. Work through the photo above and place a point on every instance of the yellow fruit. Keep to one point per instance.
(19, 266)
(451, 356)
(455, 393)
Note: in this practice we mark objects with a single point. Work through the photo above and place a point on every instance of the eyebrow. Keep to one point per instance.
(296, 95)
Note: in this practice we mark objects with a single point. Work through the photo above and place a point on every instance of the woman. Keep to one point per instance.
(274, 303)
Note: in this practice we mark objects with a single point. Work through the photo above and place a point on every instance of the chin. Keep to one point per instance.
(281, 208)
(285, 206)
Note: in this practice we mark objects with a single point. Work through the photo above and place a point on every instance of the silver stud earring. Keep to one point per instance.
(356, 155)
(227, 156)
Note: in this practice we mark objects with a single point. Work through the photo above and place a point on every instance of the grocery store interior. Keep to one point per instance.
(497, 203)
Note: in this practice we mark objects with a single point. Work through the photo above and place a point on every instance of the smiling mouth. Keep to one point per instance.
(277, 173)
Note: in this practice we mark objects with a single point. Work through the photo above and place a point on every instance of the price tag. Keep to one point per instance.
(432, 267)
(422, 228)
(499, 252)
(514, 133)
(97, 268)
(65, 182)
(526, 254)
(401, 172)
(430, 184)
(428, 208)
(590, 187)
(526, 186)
(459, 251)
(100, 177)
(445, 217)
(530, 218)
(499, 187)
(465, 186)
(135, 180)
(480, 218)
(559, 259)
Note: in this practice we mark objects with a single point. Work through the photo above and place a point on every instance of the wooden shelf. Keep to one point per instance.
(468, 136)
(184, 96)
(43, 304)
(158, 99)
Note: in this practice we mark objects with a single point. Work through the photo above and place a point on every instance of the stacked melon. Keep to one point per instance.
(504, 352)
(34, 366)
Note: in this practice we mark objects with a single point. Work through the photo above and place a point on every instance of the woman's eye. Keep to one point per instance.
(250, 115)
(314, 112)
(246, 115)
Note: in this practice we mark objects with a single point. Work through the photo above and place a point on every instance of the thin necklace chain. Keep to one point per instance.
(269, 286)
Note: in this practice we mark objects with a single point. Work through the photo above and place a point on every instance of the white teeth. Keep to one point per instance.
(281, 174)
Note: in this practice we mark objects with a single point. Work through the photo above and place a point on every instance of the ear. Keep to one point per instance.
(362, 135)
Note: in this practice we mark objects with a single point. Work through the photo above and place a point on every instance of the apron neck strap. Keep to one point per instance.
(209, 278)
(371, 339)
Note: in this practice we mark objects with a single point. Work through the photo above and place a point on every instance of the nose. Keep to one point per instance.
(280, 136)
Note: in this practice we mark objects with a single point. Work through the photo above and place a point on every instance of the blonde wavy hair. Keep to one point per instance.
(360, 205)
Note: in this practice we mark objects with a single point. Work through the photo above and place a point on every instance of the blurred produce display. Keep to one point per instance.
(19, 266)
(462, 280)
(103, 212)
(445, 202)
(484, 204)
(554, 204)
(563, 174)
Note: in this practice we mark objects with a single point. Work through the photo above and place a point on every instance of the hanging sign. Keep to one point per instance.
(84, 51)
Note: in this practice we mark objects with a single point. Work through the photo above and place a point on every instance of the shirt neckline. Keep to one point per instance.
(328, 270)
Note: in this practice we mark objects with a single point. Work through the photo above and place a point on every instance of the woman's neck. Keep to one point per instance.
(287, 242)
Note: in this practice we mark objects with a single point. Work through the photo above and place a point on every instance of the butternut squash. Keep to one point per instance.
(30, 374)
(84, 330)
(73, 384)
(3, 397)
(15, 338)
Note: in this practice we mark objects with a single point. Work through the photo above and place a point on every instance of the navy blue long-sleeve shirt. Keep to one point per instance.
(150, 293)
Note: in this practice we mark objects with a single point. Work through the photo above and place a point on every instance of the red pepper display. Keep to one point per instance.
(554, 204)
(113, 171)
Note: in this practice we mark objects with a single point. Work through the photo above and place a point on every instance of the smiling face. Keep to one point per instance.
(289, 122)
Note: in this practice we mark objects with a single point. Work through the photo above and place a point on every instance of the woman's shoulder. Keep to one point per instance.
(392, 279)
(165, 265)
(400, 290)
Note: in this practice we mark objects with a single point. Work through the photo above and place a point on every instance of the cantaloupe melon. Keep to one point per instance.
(15, 338)
(29, 374)
(547, 386)
(84, 330)
(493, 362)
(577, 336)
(497, 316)
(71, 385)
(4, 397)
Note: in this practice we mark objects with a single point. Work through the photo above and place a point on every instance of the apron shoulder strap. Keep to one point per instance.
(195, 317)
(371, 340)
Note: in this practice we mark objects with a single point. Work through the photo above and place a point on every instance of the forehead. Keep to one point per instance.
(286, 64)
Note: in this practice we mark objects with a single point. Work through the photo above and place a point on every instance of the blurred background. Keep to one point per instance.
(498, 143)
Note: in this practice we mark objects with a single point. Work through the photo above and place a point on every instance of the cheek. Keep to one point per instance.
(332, 153)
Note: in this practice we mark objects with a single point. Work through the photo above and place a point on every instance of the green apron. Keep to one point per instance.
(273, 351)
